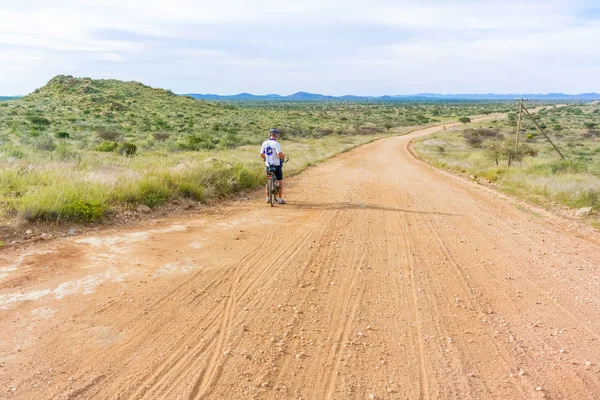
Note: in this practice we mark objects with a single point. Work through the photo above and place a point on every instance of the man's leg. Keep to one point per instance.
(280, 189)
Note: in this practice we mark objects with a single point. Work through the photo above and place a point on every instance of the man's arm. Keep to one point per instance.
(279, 153)
(262, 152)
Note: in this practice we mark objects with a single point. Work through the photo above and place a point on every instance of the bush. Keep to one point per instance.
(62, 135)
(153, 192)
(475, 137)
(64, 152)
(127, 149)
(13, 152)
(191, 190)
(45, 143)
(87, 211)
(106, 146)
(472, 137)
(76, 201)
(39, 122)
(569, 166)
(111, 136)
(588, 198)
(199, 142)
(161, 136)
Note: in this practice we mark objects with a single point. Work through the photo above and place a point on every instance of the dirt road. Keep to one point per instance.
(381, 278)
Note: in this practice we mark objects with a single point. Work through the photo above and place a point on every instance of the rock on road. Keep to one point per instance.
(381, 278)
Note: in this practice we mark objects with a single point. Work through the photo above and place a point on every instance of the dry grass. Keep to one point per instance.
(88, 185)
(544, 178)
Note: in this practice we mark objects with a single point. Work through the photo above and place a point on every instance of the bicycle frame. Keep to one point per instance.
(272, 185)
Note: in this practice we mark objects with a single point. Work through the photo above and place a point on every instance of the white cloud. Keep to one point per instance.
(329, 46)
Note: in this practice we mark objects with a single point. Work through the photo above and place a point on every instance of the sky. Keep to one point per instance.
(334, 47)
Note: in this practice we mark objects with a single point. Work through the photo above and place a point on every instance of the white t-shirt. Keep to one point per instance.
(271, 149)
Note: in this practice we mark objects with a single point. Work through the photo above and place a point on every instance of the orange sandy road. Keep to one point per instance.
(382, 278)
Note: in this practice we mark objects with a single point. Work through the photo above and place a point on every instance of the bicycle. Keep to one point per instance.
(272, 185)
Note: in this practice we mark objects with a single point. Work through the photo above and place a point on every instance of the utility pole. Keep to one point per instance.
(519, 123)
(522, 110)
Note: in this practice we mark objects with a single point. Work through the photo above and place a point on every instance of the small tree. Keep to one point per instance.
(495, 152)
(110, 136)
(464, 120)
(161, 136)
(39, 122)
(512, 119)
(590, 125)
(62, 135)
(511, 155)
(388, 125)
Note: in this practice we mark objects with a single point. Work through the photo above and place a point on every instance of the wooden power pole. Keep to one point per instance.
(522, 110)
(519, 123)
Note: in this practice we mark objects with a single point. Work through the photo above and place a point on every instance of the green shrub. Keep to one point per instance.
(62, 135)
(87, 211)
(198, 142)
(569, 166)
(76, 201)
(106, 146)
(13, 152)
(127, 149)
(583, 198)
(161, 136)
(64, 152)
(153, 192)
(191, 190)
(45, 143)
(39, 122)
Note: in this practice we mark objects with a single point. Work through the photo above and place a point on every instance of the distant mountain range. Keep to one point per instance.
(304, 96)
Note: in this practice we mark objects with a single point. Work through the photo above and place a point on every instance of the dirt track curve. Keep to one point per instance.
(381, 278)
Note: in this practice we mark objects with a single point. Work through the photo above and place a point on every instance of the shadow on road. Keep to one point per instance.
(358, 206)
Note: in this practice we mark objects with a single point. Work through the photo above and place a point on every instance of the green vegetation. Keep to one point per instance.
(82, 149)
(534, 171)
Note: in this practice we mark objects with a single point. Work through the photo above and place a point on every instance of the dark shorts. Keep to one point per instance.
(278, 172)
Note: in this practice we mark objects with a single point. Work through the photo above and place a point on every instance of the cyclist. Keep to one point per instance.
(271, 153)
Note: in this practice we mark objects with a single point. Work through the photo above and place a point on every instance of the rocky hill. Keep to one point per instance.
(84, 103)
(107, 94)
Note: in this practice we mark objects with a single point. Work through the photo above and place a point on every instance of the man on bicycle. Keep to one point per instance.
(271, 153)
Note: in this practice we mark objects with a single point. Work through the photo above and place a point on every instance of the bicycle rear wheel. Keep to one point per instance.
(272, 190)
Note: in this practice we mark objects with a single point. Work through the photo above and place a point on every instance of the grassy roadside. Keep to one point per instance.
(55, 188)
(537, 174)
(80, 149)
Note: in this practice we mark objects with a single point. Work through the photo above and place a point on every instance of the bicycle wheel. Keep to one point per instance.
(272, 191)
